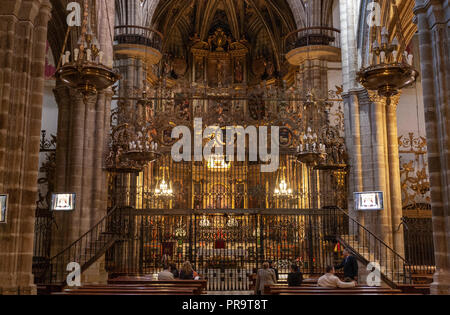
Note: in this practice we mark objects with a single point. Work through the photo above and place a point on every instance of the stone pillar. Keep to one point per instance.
(371, 138)
(23, 35)
(433, 19)
(83, 128)
(394, 175)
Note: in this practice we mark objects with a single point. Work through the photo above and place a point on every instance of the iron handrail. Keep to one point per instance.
(76, 250)
(379, 247)
(372, 234)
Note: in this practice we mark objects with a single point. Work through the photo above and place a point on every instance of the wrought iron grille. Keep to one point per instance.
(229, 185)
(225, 248)
(419, 246)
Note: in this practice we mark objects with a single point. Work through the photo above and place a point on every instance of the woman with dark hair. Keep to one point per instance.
(295, 277)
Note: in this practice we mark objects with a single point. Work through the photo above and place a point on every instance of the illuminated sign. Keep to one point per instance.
(371, 200)
(63, 202)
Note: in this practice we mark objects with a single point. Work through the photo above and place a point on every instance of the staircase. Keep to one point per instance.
(86, 250)
(369, 248)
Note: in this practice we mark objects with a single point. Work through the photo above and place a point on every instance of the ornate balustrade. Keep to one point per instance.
(313, 43)
(138, 41)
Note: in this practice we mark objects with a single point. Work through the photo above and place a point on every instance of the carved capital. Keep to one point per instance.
(374, 97)
(392, 102)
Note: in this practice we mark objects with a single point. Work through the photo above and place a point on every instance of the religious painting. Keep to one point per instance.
(63, 202)
(3, 207)
(199, 70)
(372, 200)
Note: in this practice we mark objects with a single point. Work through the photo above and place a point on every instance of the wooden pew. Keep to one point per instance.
(414, 288)
(127, 290)
(197, 287)
(311, 289)
(148, 281)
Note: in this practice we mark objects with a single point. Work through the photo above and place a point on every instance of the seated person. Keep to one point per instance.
(295, 277)
(188, 273)
(174, 270)
(329, 280)
(166, 274)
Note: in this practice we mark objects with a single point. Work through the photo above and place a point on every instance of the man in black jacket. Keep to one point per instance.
(350, 265)
(295, 277)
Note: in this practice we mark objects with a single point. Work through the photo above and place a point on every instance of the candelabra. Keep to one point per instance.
(282, 190)
(85, 71)
(311, 150)
(388, 68)
(164, 189)
(204, 222)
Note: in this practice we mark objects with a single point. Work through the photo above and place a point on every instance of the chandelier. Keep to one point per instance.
(311, 150)
(217, 162)
(232, 223)
(204, 222)
(131, 144)
(164, 188)
(85, 71)
(389, 68)
(282, 190)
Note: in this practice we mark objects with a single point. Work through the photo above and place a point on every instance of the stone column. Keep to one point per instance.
(433, 19)
(23, 35)
(371, 138)
(394, 175)
(83, 128)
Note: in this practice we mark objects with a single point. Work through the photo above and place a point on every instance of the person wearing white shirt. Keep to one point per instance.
(165, 274)
(330, 280)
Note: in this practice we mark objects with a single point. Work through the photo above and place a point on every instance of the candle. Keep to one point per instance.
(410, 59)
(382, 57)
(76, 52)
(394, 55)
(88, 55)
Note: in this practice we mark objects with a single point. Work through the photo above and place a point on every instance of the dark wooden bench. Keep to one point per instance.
(414, 288)
(197, 287)
(128, 292)
(148, 281)
(313, 289)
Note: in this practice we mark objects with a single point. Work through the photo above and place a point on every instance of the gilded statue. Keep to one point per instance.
(238, 72)
(219, 39)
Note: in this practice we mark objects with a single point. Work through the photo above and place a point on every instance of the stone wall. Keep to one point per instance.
(433, 21)
(23, 34)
